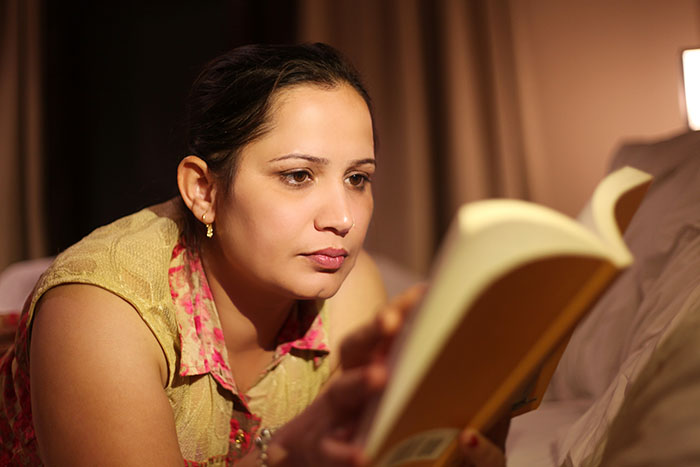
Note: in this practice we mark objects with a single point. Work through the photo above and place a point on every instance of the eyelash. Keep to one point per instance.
(364, 180)
(289, 179)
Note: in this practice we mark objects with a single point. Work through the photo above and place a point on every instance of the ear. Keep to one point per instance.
(197, 187)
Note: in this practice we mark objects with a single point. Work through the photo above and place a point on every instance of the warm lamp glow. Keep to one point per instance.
(691, 83)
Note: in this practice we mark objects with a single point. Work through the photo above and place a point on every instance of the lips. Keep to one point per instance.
(329, 259)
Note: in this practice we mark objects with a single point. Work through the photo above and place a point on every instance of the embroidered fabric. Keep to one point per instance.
(139, 258)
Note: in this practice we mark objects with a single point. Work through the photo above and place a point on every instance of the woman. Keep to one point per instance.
(185, 331)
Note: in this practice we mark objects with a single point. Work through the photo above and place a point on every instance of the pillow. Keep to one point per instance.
(17, 282)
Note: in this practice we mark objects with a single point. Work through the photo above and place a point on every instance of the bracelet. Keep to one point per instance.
(262, 441)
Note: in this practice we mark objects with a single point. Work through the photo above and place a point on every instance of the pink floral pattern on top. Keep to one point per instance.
(201, 337)
(303, 321)
(203, 349)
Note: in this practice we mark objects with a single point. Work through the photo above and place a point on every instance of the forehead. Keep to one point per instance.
(321, 118)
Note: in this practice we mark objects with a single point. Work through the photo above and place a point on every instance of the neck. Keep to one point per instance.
(250, 316)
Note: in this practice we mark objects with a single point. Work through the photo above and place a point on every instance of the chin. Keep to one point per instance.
(319, 288)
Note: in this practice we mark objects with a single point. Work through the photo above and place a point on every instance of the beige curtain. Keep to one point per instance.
(442, 77)
(21, 236)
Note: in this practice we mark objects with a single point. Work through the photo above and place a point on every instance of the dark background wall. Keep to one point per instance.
(116, 77)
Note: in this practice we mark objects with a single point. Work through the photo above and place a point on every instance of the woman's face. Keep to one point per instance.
(296, 216)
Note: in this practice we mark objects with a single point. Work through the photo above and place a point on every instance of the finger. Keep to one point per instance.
(352, 388)
(479, 451)
(410, 296)
(392, 317)
(357, 348)
(339, 453)
(363, 345)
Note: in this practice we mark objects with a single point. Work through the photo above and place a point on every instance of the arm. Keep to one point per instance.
(97, 376)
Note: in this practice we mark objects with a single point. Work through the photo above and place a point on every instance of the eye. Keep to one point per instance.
(296, 177)
(358, 180)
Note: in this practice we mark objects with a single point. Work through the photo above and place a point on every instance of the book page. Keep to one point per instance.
(487, 239)
(614, 202)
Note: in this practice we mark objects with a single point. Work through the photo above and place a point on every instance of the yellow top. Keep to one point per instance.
(140, 258)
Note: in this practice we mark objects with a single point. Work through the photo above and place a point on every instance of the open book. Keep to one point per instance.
(509, 284)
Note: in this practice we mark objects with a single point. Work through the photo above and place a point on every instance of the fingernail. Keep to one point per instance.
(473, 441)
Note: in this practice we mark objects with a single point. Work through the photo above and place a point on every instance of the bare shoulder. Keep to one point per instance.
(357, 301)
(87, 315)
(95, 370)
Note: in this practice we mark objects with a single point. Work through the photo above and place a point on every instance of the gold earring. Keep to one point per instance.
(210, 227)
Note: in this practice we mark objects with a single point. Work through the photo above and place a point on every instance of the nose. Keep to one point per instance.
(334, 213)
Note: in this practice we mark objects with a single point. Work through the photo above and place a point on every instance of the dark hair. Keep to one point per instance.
(229, 103)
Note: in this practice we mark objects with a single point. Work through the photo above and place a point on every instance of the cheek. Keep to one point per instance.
(269, 226)
(363, 213)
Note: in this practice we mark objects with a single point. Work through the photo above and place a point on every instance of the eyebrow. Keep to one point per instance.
(321, 160)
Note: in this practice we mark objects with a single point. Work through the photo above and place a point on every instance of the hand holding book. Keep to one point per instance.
(370, 345)
(371, 342)
(323, 434)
